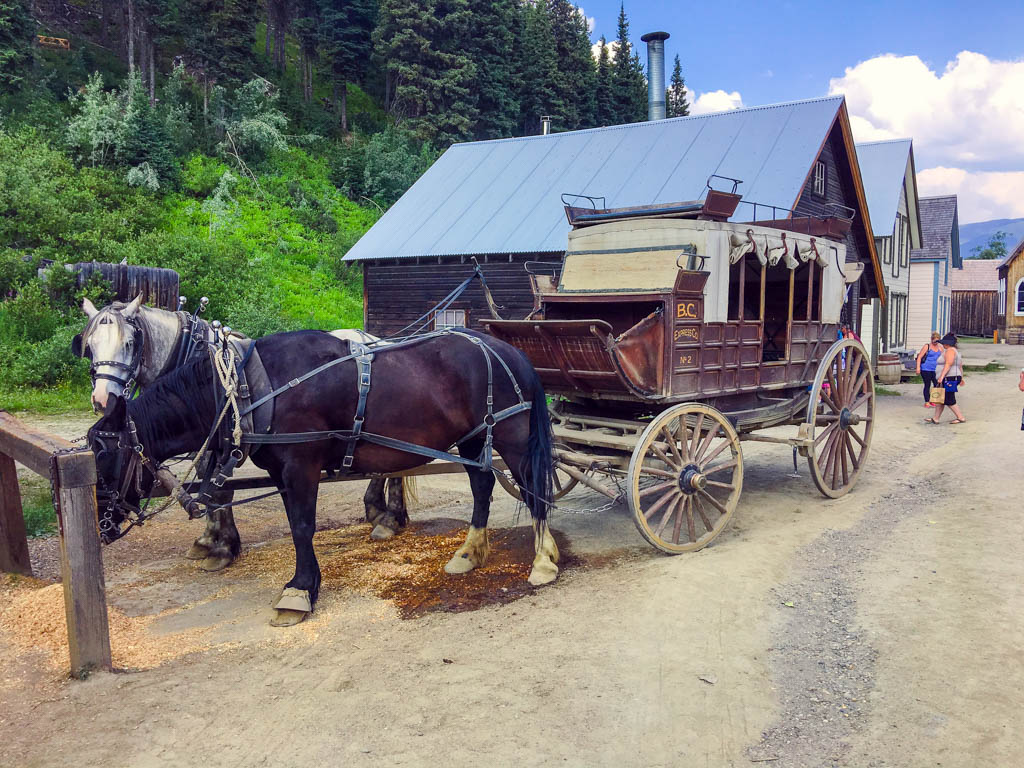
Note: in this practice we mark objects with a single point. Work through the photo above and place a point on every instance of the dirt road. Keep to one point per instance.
(880, 629)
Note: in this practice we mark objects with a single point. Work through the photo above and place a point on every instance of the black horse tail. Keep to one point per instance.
(538, 463)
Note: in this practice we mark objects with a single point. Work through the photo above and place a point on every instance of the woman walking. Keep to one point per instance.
(950, 376)
(926, 360)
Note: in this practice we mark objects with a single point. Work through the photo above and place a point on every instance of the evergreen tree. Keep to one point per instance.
(428, 72)
(675, 95)
(17, 32)
(576, 80)
(604, 108)
(628, 86)
(347, 26)
(495, 82)
(539, 94)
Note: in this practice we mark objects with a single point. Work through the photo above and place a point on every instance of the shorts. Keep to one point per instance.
(951, 393)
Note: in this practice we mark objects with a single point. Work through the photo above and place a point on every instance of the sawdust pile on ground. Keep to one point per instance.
(408, 570)
(32, 619)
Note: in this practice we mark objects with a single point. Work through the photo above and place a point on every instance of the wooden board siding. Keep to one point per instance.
(838, 190)
(1014, 331)
(399, 291)
(919, 316)
(973, 313)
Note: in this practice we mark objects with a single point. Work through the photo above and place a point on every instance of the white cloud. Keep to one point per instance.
(967, 119)
(716, 101)
(981, 195)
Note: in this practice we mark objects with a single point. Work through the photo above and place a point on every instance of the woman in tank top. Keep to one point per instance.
(926, 360)
(951, 377)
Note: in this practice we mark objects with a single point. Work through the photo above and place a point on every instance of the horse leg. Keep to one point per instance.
(226, 541)
(473, 553)
(373, 500)
(396, 515)
(300, 484)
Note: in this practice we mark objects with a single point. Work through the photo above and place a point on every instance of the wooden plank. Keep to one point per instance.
(28, 445)
(85, 597)
(13, 542)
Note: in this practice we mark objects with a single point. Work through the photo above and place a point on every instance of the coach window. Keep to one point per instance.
(746, 289)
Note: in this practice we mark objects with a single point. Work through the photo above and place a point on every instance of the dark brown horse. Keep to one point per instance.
(432, 392)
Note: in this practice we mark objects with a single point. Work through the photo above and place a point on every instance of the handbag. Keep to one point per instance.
(937, 395)
(951, 385)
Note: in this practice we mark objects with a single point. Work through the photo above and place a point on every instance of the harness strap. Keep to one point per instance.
(364, 359)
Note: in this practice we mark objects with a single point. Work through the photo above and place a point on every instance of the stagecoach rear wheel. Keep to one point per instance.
(840, 418)
(561, 484)
(685, 478)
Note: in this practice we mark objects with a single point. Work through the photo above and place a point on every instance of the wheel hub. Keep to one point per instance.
(848, 419)
(691, 479)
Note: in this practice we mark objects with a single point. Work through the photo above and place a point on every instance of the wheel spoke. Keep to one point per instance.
(719, 467)
(659, 504)
(673, 443)
(853, 455)
(826, 432)
(833, 391)
(691, 529)
(713, 502)
(556, 481)
(859, 402)
(661, 455)
(696, 433)
(857, 437)
(725, 486)
(843, 442)
(858, 384)
(706, 442)
(835, 459)
(727, 443)
(658, 473)
(657, 488)
(828, 453)
(665, 518)
(680, 506)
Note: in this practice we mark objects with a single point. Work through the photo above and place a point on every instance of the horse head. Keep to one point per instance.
(123, 475)
(112, 340)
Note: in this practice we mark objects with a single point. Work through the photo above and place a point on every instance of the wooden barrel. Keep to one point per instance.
(159, 287)
(888, 369)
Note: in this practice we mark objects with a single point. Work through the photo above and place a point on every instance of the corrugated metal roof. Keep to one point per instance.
(976, 275)
(883, 167)
(938, 225)
(503, 196)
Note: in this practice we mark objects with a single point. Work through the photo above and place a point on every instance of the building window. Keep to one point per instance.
(905, 241)
(1018, 295)
(1002, 297)
(898, 235)
(819, 178)
(449, 318)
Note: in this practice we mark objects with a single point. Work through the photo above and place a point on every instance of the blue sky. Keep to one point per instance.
(965, 111)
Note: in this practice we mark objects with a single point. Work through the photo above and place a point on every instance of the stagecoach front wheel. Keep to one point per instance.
(561, 484)
(685, 478)
(840, 418)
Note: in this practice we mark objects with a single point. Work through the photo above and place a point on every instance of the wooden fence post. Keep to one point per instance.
(13, 543)
(85, 593)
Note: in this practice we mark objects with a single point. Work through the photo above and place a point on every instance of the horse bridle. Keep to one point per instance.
(128, 382)
(109, 499)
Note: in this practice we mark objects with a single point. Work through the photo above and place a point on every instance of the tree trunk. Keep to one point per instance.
(152, 71)
(270, 27)
(344, 107)
(131, 35)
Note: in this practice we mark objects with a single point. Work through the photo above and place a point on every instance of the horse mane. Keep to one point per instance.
(177, 401)
(112, 310)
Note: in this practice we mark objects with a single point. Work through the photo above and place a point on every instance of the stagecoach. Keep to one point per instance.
(669, 335)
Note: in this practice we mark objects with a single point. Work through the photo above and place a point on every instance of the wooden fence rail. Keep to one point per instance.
(73, 476)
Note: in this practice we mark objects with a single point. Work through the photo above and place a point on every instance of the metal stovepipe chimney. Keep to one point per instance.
(655, 74)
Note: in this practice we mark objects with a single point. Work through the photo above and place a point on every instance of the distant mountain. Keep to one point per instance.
(979, 232)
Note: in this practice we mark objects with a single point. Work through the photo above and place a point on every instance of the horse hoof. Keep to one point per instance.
(543, 572)
(213, 563)
(285, 617)
(197, 551)
(459, 564)
(381, 533)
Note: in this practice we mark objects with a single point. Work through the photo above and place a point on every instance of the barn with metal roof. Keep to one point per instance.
(500, 201)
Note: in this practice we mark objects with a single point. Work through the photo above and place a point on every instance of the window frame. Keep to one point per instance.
(454, 312)
(1017, 296)
(1001, 297)
(819, 182)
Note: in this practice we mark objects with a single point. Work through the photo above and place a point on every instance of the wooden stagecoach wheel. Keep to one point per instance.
(840, 418)
(685, 478)
(561, 483)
